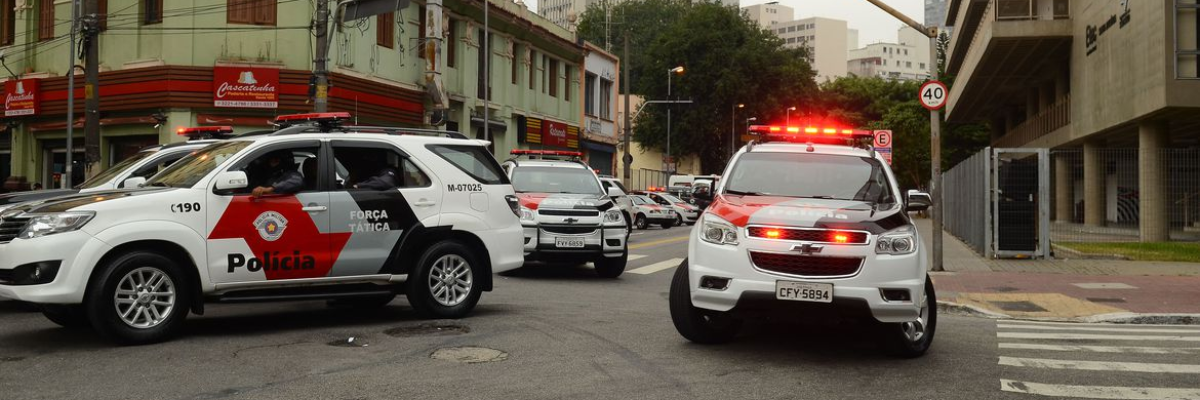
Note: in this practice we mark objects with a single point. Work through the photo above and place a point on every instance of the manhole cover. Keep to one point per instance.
(469, 355)
(11, 359)
(1004, 289)
(1018, 306)
(1105, 300)
(352, 341)
(428, 329)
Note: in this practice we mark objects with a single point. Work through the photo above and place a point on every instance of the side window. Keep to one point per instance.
(475, 161)
(284, 170)
(148, 170)
(377, 168)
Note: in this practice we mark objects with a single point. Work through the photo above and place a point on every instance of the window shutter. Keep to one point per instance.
(240, 11)
(385, 29)
(46, 20)
(151, 11)
(9, 18)
(265, 12)
(102, 14)
(421, 33)
(452, 44)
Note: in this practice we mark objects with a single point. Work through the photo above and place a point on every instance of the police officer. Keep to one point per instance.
(384, 179)
(281, 175)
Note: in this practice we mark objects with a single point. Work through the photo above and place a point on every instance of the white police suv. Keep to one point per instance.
(314, 210)
(566, 215)
(829, 237)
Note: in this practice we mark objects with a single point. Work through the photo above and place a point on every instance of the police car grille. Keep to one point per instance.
(795, 264)
(570, 213)
(11, 227)
(569, 230)
(809, 235)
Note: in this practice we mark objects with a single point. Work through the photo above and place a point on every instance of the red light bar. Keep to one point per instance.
(523, 152)
(808, 131)
(330, 116)
(202, 130)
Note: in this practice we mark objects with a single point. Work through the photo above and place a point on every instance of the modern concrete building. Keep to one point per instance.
(165, 69)
(826, 40)
(907, 59)
(770, 14)
(1088, 76)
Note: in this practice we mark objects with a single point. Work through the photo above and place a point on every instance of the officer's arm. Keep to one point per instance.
(289, 183)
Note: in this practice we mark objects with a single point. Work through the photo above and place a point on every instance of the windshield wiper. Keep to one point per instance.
(741, 193)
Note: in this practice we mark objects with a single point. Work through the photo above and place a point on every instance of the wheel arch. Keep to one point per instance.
(165, 248)
(421, 238)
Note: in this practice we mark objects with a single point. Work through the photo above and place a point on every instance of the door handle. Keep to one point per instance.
(315, 209)
(425, 203)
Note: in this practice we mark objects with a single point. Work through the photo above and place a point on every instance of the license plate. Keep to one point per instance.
(568, 243)
(804, 291)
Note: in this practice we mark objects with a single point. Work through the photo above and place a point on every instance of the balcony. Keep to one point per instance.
(1013, 43)
(1047, 121)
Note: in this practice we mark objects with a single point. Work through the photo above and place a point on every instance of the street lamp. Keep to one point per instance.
(670, 73)
(733, 125)
(748, 121)
(789, 115)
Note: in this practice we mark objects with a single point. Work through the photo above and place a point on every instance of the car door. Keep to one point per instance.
(386, 195)
(278, 236)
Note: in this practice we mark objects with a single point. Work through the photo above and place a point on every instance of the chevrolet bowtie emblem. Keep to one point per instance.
(570, 220)
(808, 248)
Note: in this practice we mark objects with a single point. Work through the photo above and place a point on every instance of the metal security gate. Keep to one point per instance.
(1020, 185)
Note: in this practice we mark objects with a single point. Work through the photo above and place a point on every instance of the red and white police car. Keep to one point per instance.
(314, 210)
(830, 236)
(566, 214)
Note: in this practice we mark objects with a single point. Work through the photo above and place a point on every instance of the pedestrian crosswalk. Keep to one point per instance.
(658, 266)
(1099, 361)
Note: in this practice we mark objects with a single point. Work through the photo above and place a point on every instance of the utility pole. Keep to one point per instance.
(487, 74)
(935, 134)
(91, 88)
(320, 69)
(71, 95)
(628, 158)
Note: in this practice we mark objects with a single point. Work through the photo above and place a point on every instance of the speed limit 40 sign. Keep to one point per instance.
(933, 95)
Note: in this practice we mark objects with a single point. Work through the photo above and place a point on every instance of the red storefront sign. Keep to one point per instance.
(554, 133)
(244, 87)
(21, 97)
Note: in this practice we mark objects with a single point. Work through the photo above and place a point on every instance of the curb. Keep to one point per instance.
(1115, 318)
(956, 308)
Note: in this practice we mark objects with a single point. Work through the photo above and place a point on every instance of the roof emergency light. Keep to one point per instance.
(559, 153)
(202, 132)
(807, 133)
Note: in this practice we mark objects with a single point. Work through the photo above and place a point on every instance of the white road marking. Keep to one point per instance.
(1088, 336)
(1098, 392)
(1100, 365)
(1053, 323)
(1104, 285)
(634, 257)
(660, 266)
(1101, 349)
(1111, 328)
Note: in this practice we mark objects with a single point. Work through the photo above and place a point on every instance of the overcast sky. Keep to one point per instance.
(873, 25)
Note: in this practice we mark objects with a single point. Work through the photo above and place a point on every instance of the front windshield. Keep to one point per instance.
(642, 200)
(671, 198)
(113, 171)
(191, 169)
(820, 176)
(555, 180)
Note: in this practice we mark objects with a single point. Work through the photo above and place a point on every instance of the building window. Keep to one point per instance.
(9, 19)
(606, 96)
(452, 44)
(101, 15)
(922, 65)
(46, 20)
(791, 29)
(908, 64)
(589, 94)
(791, 40)
(385, 31)
(421, 32)
(532, 69)
(552, 72)
(567, 83)
(252, 12)
(152, 12)
(515, 65)
(485, 52)
(545, 72)
(1187, 40)
(885, 62)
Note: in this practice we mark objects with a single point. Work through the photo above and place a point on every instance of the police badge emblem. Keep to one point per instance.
(270, 225)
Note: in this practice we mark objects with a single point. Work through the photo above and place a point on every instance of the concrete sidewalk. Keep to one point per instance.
(1064, 289)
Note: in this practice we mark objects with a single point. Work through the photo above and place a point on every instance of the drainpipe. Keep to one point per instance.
(433, 63)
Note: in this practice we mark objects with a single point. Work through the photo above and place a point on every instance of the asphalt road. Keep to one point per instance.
(553, 332)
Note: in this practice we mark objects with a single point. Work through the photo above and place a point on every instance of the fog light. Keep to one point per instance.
(613, 242)
(34, 273)
(714, 283)
(896, 295)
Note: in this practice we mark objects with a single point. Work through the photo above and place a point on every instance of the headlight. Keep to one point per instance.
(50, 224)
(899, 242)
(718, 231)
(614, 216)
(528, 215)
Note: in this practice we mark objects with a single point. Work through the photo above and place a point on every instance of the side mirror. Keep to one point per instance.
(229, 181)
(918, 201)
(615, 192)
(133, 182)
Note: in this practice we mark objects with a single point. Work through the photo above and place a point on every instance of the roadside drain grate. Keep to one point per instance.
(428, 329)
(469, 355)
(352, 341)
(1018, 306)
(1105, 300)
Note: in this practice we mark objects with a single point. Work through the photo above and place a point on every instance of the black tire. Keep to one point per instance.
(421, 291)
(611, 267)
(678, 219)
(640, 222)
(668, 225)
(362, 302)
(70, 316)
(695, 324)
(102, 307)
(898, 344)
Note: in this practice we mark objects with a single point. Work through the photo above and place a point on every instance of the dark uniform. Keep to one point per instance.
(282, 177)
(385, 179)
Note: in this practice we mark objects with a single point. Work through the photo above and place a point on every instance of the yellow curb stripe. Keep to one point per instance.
(659, 242)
